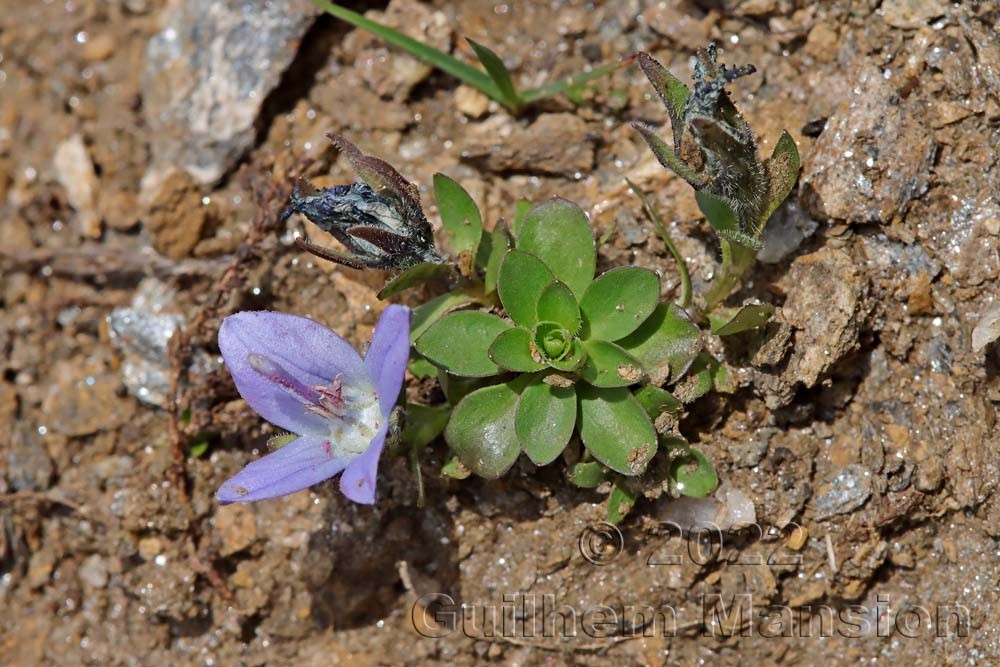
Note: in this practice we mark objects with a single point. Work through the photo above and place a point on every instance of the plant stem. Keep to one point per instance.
(661, 229)
(736, 259)
(418, 474)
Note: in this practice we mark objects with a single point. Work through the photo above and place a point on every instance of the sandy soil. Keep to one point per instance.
(863, 430)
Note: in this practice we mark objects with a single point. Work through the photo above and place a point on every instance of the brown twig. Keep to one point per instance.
(269, 197)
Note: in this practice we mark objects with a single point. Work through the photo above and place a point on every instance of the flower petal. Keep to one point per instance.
(358, 480)
(298, 465)
(307, 350)
(389, 352)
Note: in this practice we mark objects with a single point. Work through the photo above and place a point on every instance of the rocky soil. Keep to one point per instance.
(146, 148)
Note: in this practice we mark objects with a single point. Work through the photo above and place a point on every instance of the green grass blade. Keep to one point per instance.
(566, 85)
(439, 59)
(498, 72)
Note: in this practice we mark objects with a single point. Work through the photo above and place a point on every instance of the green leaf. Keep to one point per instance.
(557, 304)
(443, 61)
(199, 449)
(512, 350)
(558, 233)
(481, 431)
(420, 367)
(430, 312)
(459, 215)
(700, 378)
(455, 469)
(498, 72)
(615, 429)
(692, 474)
(619, 301)
(572, 360)
(620, 502)
(655, 401)
(460, 342)
(546, 416)
(746, 318)
(415, 275)
(572, 86)
(521, 209)
(672, 92)
(492, 249)
(665, 344)
(456, 388)
(587, 474)
(424, 423)
(608, 365)
(782, 170)
(523, 278)
(722, 218)
(551, 342)
(668, 158)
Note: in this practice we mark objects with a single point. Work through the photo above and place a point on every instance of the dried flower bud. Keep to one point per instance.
(380, 221)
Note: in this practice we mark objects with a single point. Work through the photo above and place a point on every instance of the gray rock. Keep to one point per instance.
(207, 74)
(29, 467)
(874, 156)
(848, 490)
(94, 571)
(749, 453)
(142, 332)
(785, 232)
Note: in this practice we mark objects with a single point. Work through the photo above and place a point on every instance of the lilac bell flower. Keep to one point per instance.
(304, 378)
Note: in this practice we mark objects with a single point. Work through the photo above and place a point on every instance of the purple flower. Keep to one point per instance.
(299, 375)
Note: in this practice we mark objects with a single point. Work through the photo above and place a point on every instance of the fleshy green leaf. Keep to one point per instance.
(492, 249)
(512, 350)
(521, 209)
(459, 215)
(420, 367)
(424, 423)
(692, 474)
(557, 304)
(619, 301)
(551, 342)
(455, 469)
(430, 312)
(700, 378)
(558, 233)
(481, 431)
(456, 388)
(415, 275)
(572, 360)
(523, 278)
(460, 342)
(546, 416)
(655, 401)
(672, 92)
(587, 474)
(620, 502)
(615, 429)
(746, 318)
(782, 170)
(199, 449)
(722, 218)
(665, 344)
(498, 72)
(608, 365)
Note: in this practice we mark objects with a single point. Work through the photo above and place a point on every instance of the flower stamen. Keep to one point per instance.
(281, 377)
